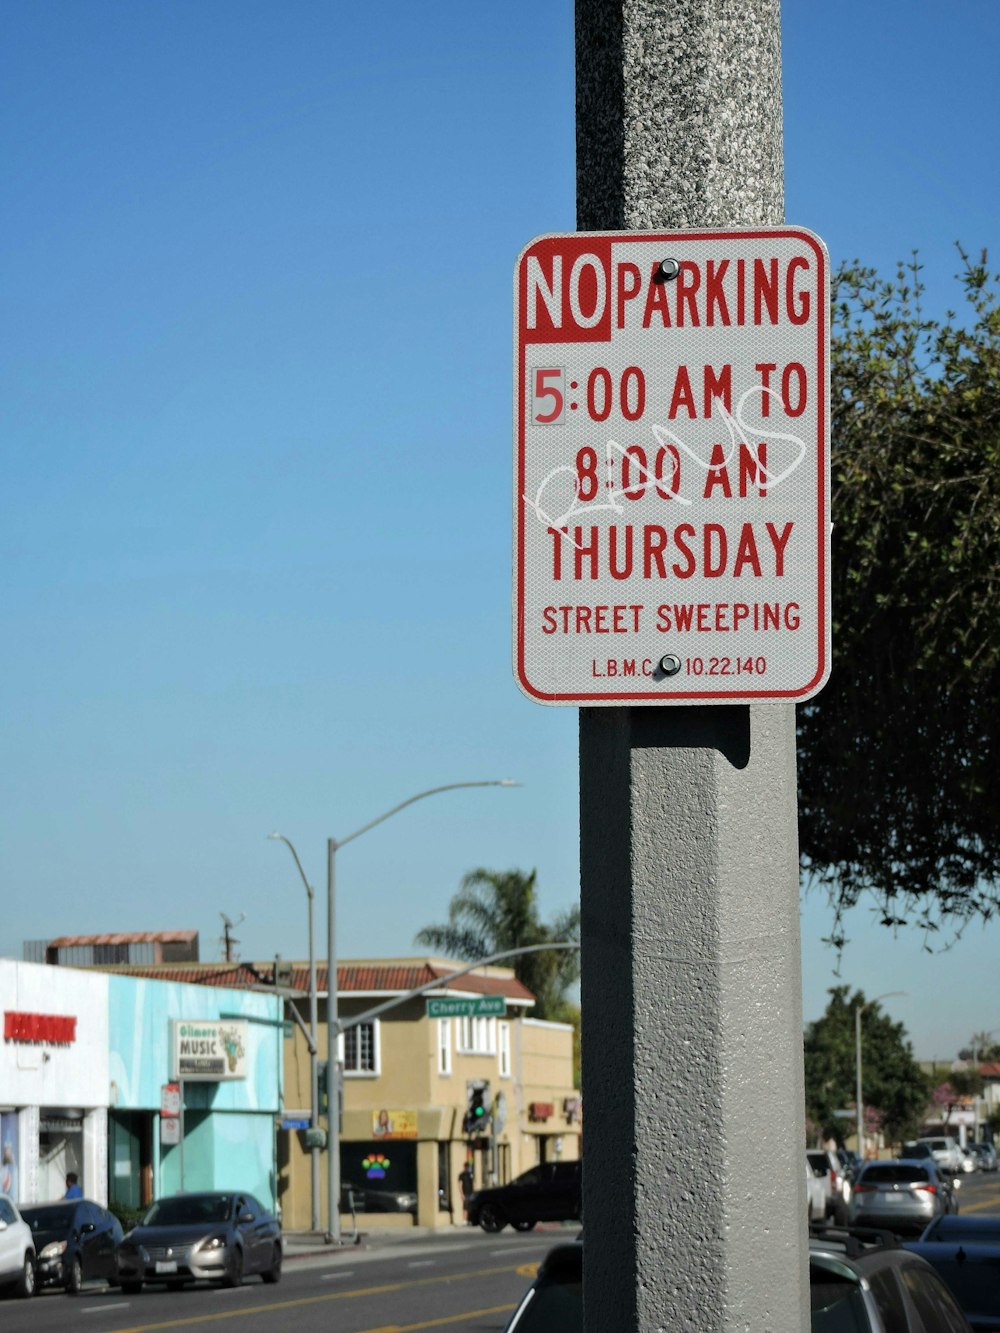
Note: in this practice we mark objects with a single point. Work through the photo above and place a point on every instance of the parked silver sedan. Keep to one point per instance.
(217, 1237)
(901, 1196)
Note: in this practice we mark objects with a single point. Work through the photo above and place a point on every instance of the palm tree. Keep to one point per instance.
(495, 910)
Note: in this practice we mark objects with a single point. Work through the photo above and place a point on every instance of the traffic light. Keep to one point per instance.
(477, 1116)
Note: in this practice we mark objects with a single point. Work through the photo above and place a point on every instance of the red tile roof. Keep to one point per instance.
(990, 1069)
(133, 937)
(391, 978)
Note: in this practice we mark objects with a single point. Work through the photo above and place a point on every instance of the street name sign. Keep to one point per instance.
(483, 1006)
(671, 467)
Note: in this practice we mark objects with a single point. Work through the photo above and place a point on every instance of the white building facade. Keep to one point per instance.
(54, 1082)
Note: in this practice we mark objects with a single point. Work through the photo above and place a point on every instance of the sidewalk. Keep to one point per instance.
(308, 1244)
(312, 1244)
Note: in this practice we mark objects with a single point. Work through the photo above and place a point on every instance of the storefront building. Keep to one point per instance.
(195, 1077)
(53, 1081)
(407, 1081)
(139, 1087)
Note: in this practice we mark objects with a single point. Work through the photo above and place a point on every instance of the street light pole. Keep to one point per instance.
(332, 1020)
(859, 1103)
(313, 1042)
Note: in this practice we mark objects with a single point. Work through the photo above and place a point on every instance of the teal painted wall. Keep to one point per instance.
(229, 1138)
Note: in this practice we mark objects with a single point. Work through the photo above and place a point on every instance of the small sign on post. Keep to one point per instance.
(671, 467)
(170, 1099)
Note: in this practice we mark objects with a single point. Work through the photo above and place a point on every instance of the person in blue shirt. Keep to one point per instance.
(73, 1190)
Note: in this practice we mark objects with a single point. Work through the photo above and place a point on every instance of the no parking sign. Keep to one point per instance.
(671, 467)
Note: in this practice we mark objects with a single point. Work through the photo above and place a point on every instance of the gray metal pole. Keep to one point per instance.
(313, 1071)
(313, 1038)
(691, 973)
(332, 1032)
(859, 1102)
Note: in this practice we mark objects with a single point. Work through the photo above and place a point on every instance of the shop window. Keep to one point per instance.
(380, 1175)
(359, 1049)
(444, 1045)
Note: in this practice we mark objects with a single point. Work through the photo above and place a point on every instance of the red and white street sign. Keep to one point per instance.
(671, 467)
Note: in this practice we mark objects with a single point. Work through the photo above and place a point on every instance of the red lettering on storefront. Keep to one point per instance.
(53, 1029)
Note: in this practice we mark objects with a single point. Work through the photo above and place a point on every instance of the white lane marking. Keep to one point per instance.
(334, 1277)
(421, 1263)
(97, 1309)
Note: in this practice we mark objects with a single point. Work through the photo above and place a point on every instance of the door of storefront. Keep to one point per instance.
(60, 1151)
(130, 1159)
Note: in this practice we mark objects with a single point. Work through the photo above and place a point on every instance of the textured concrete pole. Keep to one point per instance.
(692, 1038)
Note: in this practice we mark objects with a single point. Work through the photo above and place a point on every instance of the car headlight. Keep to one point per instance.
(54, 1250)
(213, 1243)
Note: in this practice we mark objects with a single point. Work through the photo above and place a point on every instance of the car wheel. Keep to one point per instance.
(273, 1274)
(523, 1226)
(74, 1278)
(131, 1288)
(26, 1282)
(491, 1218)
(234, 1278)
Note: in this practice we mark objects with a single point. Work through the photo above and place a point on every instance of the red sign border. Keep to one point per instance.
(520, 406)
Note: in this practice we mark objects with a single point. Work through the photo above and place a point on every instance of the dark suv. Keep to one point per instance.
(550, 1192)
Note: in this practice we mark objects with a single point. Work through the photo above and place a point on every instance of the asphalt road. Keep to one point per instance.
(471, 1282)
(459, 1281)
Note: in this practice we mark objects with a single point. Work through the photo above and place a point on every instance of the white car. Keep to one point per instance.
(17, 1250)
(946, 1153)
(817, 1194)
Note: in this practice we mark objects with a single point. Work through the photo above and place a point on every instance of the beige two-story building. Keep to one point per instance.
(408, 1077)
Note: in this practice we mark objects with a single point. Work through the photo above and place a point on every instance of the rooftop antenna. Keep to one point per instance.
(228, 940)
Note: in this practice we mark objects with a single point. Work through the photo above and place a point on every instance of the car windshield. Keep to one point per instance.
(56, 1217)
(188, 1211)
(837, 1304)
(893, 1173)
(554, 1307)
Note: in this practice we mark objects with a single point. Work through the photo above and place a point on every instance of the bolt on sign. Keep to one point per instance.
(671, 467)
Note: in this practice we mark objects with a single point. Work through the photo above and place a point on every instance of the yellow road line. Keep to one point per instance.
(437, 1323)
(246, 1310)
(987, 1205)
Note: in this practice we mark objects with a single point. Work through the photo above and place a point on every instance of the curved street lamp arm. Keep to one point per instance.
(280, 837)
(432, 791)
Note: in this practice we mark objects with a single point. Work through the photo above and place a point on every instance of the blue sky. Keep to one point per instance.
(255, 403)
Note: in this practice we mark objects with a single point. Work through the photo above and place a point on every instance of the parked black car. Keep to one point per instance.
(554, 1301)
(362, 1199)
(75, 1240)
(221, 1237)
(550, 1192)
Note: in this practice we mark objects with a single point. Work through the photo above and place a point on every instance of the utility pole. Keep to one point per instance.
(691, 974)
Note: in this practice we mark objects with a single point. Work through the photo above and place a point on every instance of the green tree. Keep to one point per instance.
(495, 910)
(895, 1089)
(899, 763)
(981, 1047)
